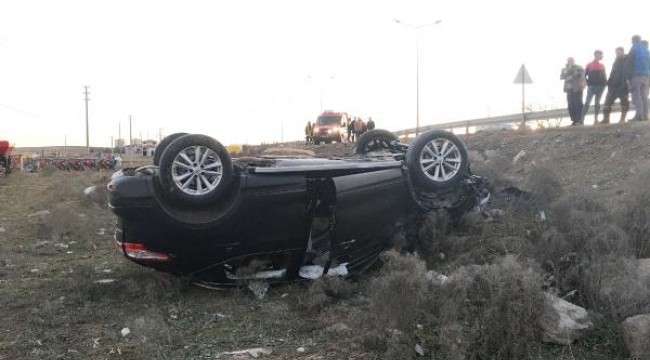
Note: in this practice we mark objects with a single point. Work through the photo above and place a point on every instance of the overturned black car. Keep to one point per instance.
(198, 213)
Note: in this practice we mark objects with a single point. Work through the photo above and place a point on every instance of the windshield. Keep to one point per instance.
(328, 120)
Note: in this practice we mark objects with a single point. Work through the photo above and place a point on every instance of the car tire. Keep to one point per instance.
(163, 145)
(374, 140)
(195, 169)
(437, 159)
(4, 167)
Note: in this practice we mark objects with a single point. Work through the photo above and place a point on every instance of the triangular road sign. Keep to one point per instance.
(523, 77)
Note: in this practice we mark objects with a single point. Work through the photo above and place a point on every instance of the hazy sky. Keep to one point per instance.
(256, 70)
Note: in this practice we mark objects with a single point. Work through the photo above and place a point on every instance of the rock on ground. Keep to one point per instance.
(564, 322)
(636, 333)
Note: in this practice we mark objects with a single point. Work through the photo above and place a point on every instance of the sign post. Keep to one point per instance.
(523, 78)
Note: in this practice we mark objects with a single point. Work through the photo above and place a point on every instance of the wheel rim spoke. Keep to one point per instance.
(183, 177)
(429, 151)
(184, 166)
(213, 173)
(443, 150)
(185, 157)
(197, 154)
(187, 183)
(427, 168)
(205, 156)
(213, 165)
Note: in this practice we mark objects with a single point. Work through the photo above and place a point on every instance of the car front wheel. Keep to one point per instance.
(195, 169)
(163, 145)
(437, 159)
(374, 140)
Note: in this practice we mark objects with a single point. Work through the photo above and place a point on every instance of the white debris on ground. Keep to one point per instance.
(2, 229)
(254, 352)
(125, 331)
(520, 154)
(301, 349)
(39, 213)
(316, 271)
(89, 190)
(419, 350)
(104, 281)
(258, 288)
(436, 278)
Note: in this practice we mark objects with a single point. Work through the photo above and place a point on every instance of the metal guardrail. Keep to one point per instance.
(504, 119)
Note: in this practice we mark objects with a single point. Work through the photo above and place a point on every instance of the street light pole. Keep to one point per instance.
(417, 81)
(417, 67)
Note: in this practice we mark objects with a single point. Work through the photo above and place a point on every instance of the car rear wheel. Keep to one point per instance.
(195, 169)
(163, 145)
(437, 159)
(374, 140)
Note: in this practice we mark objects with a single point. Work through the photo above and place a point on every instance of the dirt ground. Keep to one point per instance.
(68, 294)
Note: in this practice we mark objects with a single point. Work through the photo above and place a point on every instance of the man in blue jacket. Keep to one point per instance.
(637, 71)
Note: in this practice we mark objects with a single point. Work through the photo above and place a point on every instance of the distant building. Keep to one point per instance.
(150, 143)
(120, 143)
(136, 142)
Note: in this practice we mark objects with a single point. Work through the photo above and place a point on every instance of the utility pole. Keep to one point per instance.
(130, 131)
(86, 93)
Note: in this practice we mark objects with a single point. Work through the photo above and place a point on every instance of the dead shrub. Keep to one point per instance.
(587, 227)
(494, 169)
(491, 311)
(433, 235)
(399, 291)
(482, 312)
(324, 291)
(614, 288)
(67, 225)
(545, 185)
(636, 216)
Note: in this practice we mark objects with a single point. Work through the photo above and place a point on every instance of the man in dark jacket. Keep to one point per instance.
(616, 88)
(637, 71)
(596, 80)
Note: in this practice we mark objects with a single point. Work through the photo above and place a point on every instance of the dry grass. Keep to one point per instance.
(488, 311)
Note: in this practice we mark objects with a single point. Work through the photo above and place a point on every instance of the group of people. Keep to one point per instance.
(630, 75)
(352, 126)
(356, 126)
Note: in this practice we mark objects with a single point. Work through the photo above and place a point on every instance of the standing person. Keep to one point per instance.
(616, 88)
(358, 127)
(309, 135)
(351, 130)
(574, 83)
(370, 124)
(348, 126)
(596, 80)
(637, 73)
